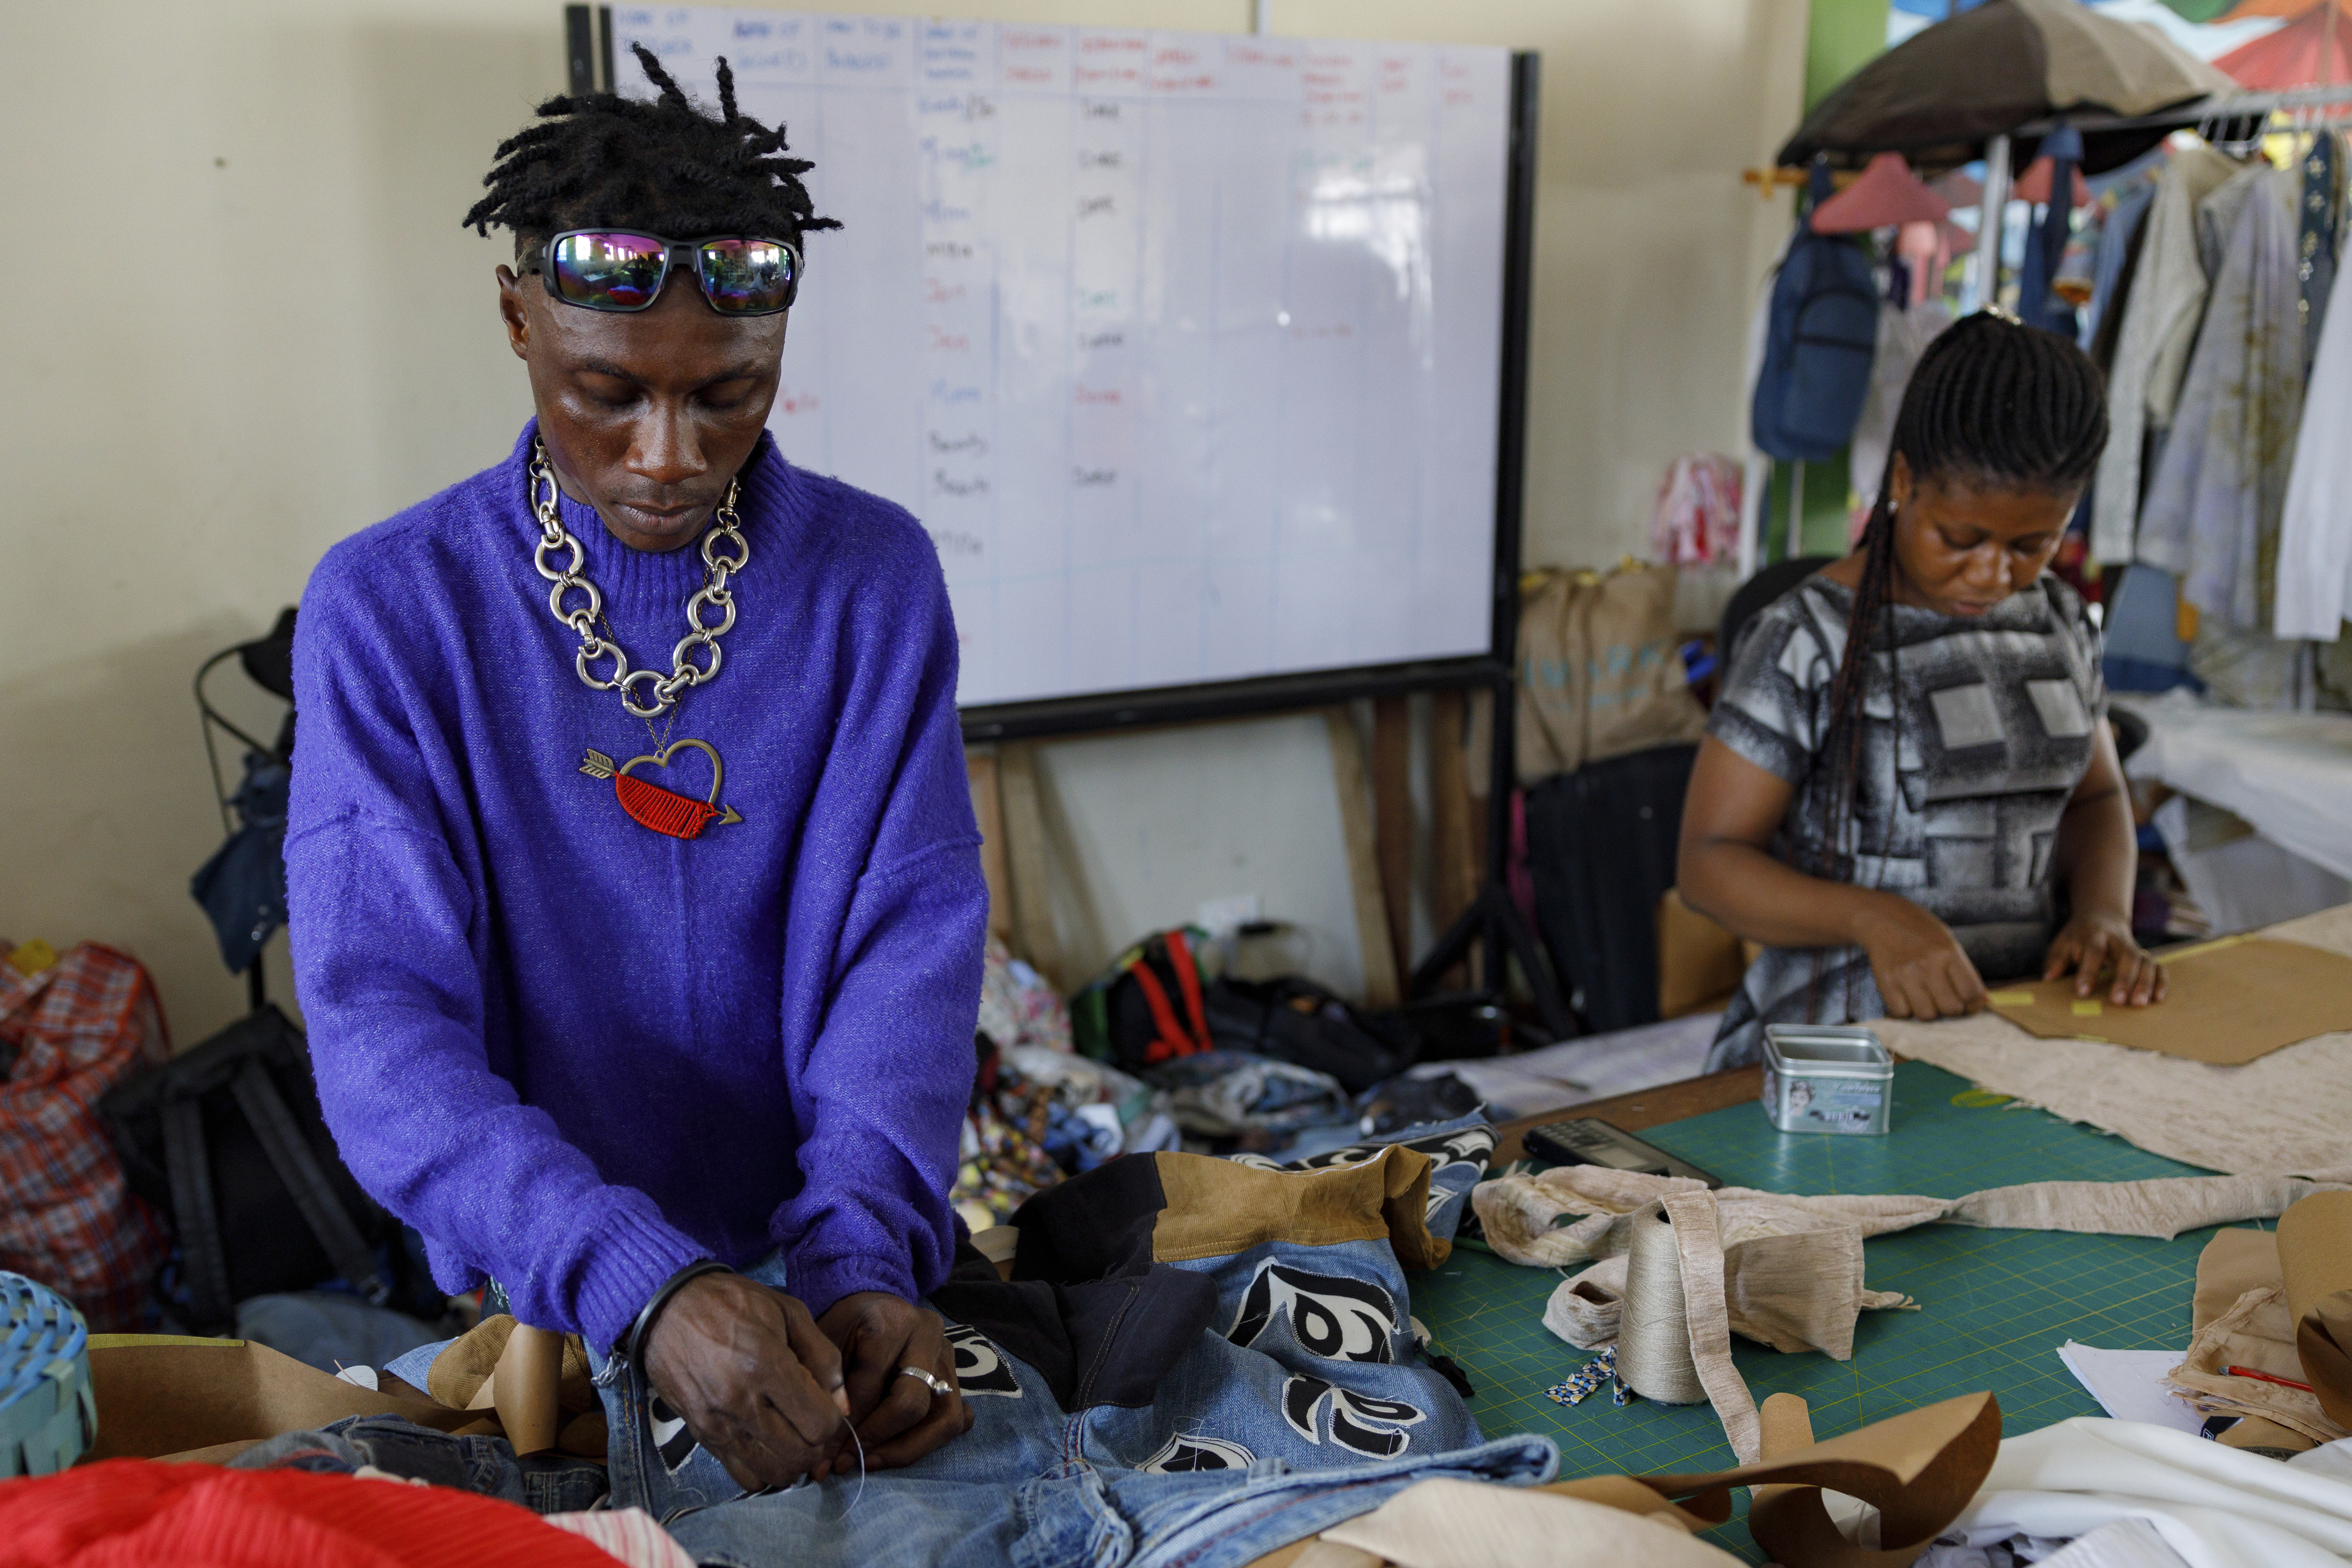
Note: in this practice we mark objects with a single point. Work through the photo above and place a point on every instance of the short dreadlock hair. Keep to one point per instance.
(665, 166)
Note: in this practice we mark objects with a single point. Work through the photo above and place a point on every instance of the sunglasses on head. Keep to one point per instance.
(618, 269)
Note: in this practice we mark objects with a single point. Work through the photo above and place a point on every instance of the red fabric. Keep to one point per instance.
(140, 1513)
(80, 1027)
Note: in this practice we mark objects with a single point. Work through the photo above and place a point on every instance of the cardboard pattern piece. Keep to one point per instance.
(2228, 1002)
(2315, 1246)
(163, 1397)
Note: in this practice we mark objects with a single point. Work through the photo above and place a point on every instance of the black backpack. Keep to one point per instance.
(1601, 845)
(1293, 1019)
(1154, 1005)
(227, 1139)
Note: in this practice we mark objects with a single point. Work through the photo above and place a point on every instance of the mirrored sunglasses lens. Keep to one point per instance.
(748, 276)
(608, 271)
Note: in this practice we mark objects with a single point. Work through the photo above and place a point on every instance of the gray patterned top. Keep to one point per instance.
(1956, 806)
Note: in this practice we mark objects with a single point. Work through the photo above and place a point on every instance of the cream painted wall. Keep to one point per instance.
(304, 342)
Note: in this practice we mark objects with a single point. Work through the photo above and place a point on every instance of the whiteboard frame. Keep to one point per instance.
(590, 67)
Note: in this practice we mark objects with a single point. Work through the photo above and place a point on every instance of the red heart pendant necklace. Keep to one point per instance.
(725, 551)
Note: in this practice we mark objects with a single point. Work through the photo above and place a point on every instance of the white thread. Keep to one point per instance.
(861, 1475)
(1653, 1350)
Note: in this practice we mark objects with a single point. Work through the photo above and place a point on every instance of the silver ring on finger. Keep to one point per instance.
(930, 1380)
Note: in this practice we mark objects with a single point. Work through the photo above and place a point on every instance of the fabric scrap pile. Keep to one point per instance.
(2272, 1325)
(1038, 1112)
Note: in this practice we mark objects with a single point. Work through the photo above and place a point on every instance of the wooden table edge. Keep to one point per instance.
(1644, 1107)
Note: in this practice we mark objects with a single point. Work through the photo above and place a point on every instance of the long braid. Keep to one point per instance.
(663, 165)
(1994, 404)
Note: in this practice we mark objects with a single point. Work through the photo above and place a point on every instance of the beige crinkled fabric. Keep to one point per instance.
(2287, 1113)
(1787, 1269)
(1528, 1218)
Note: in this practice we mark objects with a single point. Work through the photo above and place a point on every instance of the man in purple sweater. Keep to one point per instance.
(626, 968)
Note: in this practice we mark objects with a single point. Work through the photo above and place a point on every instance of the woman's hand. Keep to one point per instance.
(1921, 969)
(2089, 943)
(899, 1418)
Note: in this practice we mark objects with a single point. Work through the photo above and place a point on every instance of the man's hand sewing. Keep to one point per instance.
(755, 1381)
(898, 1418)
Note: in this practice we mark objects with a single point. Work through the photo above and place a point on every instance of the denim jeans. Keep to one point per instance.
(542, 1483)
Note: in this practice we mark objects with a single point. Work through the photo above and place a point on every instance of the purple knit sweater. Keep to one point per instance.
(576, 1053)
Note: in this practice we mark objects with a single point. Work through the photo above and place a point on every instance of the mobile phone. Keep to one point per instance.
(1589, 1140)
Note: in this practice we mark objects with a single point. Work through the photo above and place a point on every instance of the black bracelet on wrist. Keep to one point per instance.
(633, 1344)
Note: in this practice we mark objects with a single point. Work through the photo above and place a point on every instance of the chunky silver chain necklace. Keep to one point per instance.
(726, 531)
(725, 551)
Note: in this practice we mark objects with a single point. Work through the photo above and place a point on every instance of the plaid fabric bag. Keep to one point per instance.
(76, 1029)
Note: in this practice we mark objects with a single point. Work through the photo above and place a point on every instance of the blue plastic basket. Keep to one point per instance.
(48, 1415)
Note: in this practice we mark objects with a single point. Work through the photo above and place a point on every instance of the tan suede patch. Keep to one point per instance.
(1216, 1208)
(459, 1374)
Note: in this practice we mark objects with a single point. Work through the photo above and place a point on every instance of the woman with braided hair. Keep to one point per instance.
(1908, 787)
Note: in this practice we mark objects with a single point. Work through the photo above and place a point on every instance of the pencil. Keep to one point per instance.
(2266, 1377)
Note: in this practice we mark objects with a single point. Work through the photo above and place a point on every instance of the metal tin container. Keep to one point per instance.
(1822, 1077)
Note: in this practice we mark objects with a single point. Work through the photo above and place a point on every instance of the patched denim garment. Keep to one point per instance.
(1304, 1401)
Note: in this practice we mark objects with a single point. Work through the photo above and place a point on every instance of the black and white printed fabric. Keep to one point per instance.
(1975, 732)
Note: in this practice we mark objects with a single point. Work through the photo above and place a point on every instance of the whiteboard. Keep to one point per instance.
(1184, 347)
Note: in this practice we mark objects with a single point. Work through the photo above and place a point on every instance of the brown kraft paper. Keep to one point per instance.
(163, 1395)
(2227, 1002)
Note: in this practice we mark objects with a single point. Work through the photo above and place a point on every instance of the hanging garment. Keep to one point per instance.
(1903, 336)
(2110, 274)
(2314, 562)
(2315, 248)
(2159, 326)
(2145, 649)
(2113, 297)
(2214, 507)
(1926, 251)
(2060, 186)
(2217, 218)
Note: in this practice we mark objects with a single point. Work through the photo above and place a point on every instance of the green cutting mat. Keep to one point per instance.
(1995, 1304)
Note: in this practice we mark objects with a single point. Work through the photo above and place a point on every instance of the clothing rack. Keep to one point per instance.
(2211, 117)
(2214, 111)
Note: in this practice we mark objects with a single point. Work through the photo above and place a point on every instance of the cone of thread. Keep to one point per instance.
(1653, 1351)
